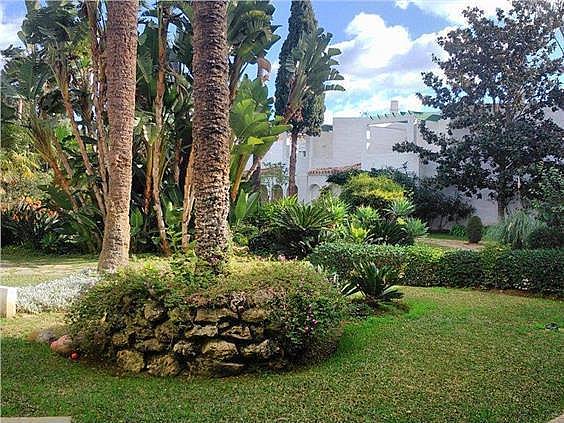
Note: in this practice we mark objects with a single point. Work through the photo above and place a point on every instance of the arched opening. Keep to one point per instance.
(277, 192)
(314, 191)
(264, 197)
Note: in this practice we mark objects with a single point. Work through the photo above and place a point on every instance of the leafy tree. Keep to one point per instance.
(500, 77)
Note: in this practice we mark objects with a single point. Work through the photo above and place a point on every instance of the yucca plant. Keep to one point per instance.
(515, 229)
(376, 283)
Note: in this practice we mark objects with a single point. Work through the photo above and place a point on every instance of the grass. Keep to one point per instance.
(17, 268)
(456, 356)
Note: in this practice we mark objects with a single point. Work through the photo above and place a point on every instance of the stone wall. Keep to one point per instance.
(207, 341)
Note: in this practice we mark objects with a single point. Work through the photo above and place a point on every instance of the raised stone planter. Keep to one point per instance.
(206, 341)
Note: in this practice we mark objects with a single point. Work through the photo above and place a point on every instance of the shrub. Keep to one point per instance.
(430, 202)
(151, 307)
(515, 229)
(377, 192)
(474, 229)
(539, 271)
(376, 283)
(458, 231)
(342, 257)
(545, 237)
(460, 268)
(421, 265)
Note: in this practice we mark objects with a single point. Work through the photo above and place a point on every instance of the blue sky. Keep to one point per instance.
(385, 45)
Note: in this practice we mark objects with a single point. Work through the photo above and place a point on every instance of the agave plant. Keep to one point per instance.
(377, 284)
(366, 216)
(415, 227)
(400, 208)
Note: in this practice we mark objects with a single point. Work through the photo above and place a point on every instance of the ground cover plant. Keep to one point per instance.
(457, 355)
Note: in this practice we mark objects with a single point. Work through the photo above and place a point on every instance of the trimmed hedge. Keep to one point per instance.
(539, 271)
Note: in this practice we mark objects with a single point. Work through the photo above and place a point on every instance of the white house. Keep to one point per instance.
(364, 143)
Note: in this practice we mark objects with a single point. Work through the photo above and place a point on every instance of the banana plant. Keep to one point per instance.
(245, 206)
(254, 130)
(312, 67)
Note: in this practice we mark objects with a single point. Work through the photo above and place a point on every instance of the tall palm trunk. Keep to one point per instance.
(120, 76)
(292, 188)
(211, 131)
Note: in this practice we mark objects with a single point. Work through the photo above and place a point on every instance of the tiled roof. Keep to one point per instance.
(333, 170)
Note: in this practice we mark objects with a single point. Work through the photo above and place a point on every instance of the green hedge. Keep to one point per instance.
(540, 271)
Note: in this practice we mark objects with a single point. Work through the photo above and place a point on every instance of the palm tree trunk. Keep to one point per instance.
(211, 131)
(120, 75)
(292, 188)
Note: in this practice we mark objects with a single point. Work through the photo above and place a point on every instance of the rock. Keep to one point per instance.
(263, 351)
(214, 315)
(223, 325)
(153, 311)
(182, 316)
(238, 332)
(150, 345)
(47, 335)
(202, 331)
(254, 315)
(185, 348)
(163, 365)
(120, 339)
(207, 367)
(139, 332)
(131, 361)
(166, 331)
(63, 345)
(219, 350)
(258, 332)
(227, 369)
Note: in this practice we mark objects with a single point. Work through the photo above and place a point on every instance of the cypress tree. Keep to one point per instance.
(310, 118)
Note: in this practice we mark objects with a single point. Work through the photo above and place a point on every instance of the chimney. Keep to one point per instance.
(394, 106)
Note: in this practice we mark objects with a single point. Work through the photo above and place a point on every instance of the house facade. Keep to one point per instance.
(366, 142)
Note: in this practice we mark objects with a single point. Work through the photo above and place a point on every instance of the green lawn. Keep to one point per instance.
(456, 356)
(19, 269)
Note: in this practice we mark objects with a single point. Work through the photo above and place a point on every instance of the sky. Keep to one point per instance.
(385, 46)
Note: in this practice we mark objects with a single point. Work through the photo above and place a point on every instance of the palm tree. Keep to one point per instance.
(121, 56)
(211, 130)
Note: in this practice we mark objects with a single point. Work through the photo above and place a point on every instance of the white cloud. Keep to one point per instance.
(452, 9)
(402, 4)
(381, 63)
(9, 29)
